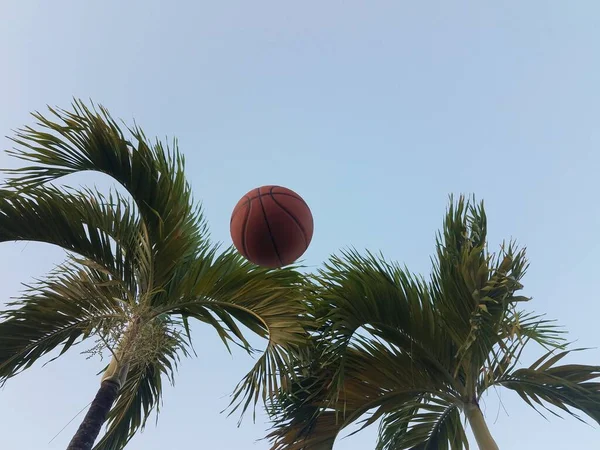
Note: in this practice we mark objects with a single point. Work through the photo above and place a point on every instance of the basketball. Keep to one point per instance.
(271, 226)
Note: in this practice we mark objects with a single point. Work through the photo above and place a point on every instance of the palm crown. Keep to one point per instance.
(417, 354)
(140, 265)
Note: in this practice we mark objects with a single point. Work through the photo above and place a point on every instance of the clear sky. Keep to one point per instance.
(374, 111)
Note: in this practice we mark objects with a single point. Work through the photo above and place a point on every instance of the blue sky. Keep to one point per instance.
(374, 111)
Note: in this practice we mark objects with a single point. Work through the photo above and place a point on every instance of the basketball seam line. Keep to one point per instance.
(287, 194)
(302, 230)
(244, 229)
(269, 228)
(238, 209)
(249, 200)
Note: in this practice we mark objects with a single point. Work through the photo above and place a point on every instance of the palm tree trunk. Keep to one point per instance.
(113, 379)
(484, 439)
(96, 416)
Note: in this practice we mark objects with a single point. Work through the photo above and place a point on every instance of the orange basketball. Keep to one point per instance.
(271, 226)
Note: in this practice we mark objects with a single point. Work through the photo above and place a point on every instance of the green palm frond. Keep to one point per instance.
(474, 289)
(379, 344)
(347, 287)
(224, 290)
(303, 416)
(69, 305)
(425, 423)
(356, 292)
(378, 376)
(90, 140)
(98, 228)
(316, 434)
(387, 359)
(565, 387)
(522, 325)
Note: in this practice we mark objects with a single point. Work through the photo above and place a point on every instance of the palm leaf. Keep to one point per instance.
(354, 292)
(83, 222)
(315, 434)
(564, 387)
(474, 290)
(301, 418)
(378, 376)
(423, 424)
(69, 305)
(220, 289)
(523, 325)
(87, 139)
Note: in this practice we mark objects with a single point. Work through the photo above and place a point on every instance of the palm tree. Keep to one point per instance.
(418, 355)
(140, 265)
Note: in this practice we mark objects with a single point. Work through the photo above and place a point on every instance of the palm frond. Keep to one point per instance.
(354, 290)
(474, 290)
(315, 434)
(378, 346)
(69, 305)
(522, 326)
(378, 376)
(87, 139)
(100, 228)
(356, 293)
(565, 387)
(425, 423)
(223, 290)
(301, 417)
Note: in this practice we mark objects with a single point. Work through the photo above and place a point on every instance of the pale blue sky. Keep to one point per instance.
(374, 111)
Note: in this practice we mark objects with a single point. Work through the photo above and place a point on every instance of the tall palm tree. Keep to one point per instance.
(418, 354)
(140, 265)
